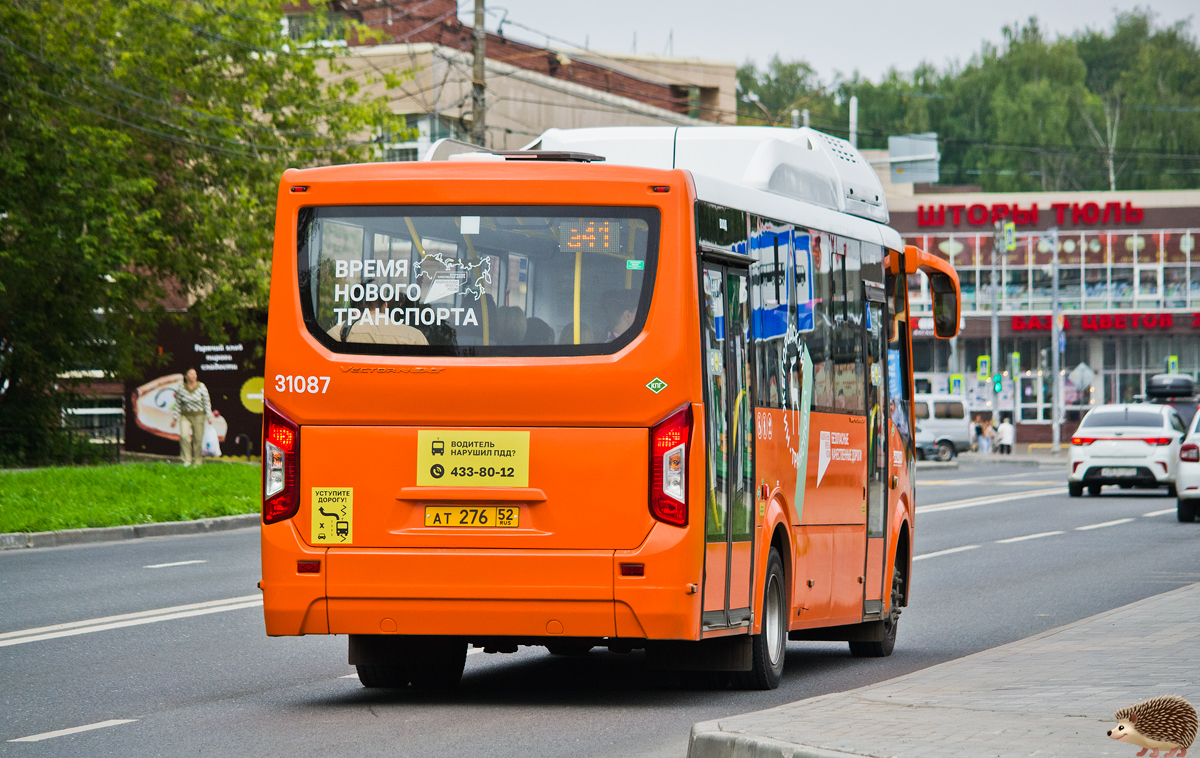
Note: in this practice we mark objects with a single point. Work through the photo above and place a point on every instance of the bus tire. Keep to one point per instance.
(770, 644)
(387, 677)
(883, 648)
(436, 663)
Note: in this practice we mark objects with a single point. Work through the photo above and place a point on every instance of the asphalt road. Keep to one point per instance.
(203, 679)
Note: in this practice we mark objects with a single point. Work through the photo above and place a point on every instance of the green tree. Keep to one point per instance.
(767, 98)
(141, 144)
(1099, 109)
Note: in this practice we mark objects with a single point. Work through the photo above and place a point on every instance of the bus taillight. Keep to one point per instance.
(281, 459)
(668, 468)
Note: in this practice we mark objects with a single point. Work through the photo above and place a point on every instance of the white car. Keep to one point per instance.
(1187, 475)
(1132, 445)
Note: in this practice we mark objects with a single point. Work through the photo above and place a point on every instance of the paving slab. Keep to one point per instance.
(1052, 694)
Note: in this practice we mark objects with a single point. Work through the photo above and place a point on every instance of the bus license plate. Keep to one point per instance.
(488, 516)
(1118, 472)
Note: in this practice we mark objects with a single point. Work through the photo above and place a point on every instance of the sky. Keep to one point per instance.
(868, 36)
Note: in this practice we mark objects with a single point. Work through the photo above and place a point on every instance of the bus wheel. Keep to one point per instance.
(770, 644)
(436, 663)
(388, 677)
(883, 648)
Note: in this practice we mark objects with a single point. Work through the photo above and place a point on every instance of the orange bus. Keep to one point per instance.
(642, 388)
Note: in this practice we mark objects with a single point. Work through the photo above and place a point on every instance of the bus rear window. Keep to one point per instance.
(483, 280)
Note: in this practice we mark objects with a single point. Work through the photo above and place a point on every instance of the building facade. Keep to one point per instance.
(1128, 289)
(529, 89)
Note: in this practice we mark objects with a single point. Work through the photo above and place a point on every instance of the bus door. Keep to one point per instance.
(729, 507)
(877, 448)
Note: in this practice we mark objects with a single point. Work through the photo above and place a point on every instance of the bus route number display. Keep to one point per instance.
(589, 236)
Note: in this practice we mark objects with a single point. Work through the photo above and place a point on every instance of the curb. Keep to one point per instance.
(922, 465)
(708, 741)
(1026, 463)
(17, 540)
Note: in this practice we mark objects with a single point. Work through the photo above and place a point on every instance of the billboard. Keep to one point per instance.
(233, 372)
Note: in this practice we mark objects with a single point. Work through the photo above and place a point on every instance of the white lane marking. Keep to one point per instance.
(128, 619)
(945, 552)
(1027, 537)
(1163, 512)
(123, 616)
(73, 730)
(349, 676)
(1101, 526)
(168, 565)
(968, 482)
(986, 500)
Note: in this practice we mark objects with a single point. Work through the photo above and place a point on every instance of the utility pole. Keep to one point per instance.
(997, 241)
(854, 120)
(1055, 337)
(478, 127)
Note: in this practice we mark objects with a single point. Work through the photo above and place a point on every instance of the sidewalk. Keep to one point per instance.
(1052, 694)
(1021, 455)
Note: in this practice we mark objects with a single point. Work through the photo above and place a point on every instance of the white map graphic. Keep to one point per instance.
(455, 276)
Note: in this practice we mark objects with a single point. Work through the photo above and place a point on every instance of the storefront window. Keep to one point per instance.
(1121, 285)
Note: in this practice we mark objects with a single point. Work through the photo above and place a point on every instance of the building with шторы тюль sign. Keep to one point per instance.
(1129, 292)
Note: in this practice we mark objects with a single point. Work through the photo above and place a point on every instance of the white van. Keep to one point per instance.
(943, 425)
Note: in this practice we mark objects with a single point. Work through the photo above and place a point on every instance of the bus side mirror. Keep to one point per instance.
(945, 305)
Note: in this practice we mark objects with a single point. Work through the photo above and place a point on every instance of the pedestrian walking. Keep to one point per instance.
(1006, 435)
(985, 441)
(193, 408)
(977, 433)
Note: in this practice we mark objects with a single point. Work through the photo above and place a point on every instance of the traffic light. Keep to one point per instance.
(997, 383)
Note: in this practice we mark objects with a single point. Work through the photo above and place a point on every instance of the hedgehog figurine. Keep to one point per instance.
(1166, 723)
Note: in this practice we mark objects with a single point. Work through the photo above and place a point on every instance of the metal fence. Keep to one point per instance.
(86, 435)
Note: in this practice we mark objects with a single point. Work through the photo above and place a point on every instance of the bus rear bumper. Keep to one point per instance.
(484, 593)
(293, 602)
(471, 592)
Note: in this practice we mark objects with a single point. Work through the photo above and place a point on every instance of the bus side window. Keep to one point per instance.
(770, 311)
(820, 340)
(899, 370)
(850, 377)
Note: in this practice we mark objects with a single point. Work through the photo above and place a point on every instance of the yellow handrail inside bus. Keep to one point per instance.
(578, 273)
(629, 271)
(483, 300)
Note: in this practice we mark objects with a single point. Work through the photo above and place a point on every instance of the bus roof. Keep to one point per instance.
(803, 165)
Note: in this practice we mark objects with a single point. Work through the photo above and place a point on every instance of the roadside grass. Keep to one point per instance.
(47, 499)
